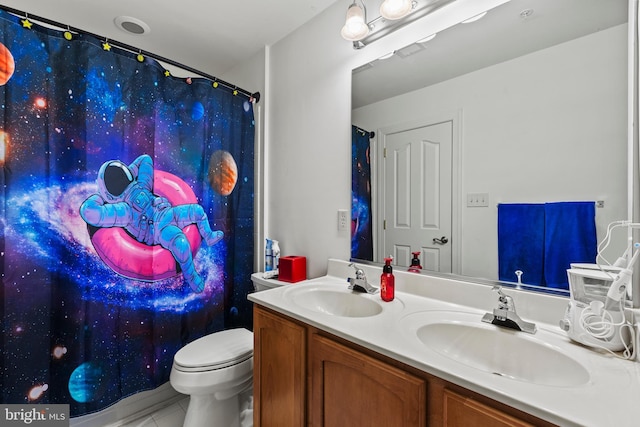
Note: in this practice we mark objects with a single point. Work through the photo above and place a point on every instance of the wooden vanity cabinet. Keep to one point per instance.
(279, 370)
(462, 410)
(307, 377)
(349, 388)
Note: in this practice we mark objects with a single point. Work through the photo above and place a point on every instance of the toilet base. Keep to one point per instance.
(206, 410)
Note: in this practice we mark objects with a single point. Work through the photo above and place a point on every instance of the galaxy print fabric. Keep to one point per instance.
(361, 226)
(77, 329)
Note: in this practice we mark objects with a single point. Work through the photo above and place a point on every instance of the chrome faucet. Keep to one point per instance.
(505, 315)
(360, 282)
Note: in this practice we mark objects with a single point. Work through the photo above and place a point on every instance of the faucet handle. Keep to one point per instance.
(506, 302)
(359, 272)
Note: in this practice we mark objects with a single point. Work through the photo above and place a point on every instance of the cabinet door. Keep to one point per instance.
(462, 411)
(279, 370)
(349, 388)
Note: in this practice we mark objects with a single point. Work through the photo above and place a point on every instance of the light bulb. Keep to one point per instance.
(355, 27)
(395, 9)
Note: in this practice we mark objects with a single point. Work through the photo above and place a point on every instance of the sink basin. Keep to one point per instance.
(462, 337)
(336, 301)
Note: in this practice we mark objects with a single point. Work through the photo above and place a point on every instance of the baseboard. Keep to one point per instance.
(126, 410)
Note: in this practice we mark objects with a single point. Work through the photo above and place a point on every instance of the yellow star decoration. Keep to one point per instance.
(140, 57)
(26, 23)
(106, 46)
(167, 73)
(215, 84)
(68, 35)
(235, 92)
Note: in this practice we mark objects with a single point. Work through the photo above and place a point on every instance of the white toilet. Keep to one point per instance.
(213, 371)
(262, 284)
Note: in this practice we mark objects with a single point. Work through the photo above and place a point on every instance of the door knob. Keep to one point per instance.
(441, 241)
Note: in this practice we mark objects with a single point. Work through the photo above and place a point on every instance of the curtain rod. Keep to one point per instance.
(365, 132)
(254, 96)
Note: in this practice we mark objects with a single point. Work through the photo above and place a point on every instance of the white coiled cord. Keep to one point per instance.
(599, 324)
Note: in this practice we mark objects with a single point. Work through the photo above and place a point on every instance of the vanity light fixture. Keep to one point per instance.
(396, 9)
(394, 14)
(355, 26)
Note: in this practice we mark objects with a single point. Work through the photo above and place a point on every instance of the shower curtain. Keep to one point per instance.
(361, 226)
(126, 216)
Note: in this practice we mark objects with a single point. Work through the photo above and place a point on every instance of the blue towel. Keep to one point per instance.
(521, 242)
(570, 236)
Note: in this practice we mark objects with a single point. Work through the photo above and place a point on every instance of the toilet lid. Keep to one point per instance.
(216, 351)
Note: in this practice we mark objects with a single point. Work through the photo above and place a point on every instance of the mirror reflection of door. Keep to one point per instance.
(417, 195)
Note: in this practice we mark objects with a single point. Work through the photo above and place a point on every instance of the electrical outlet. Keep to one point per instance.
(343, 219)
(475, 200)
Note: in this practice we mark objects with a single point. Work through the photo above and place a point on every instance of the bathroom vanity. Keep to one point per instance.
(330, 381)
(324, 355)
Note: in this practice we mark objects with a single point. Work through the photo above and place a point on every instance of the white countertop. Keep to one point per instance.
(611, 397)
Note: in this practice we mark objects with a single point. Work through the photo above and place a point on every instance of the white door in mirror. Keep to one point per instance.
(417, 193)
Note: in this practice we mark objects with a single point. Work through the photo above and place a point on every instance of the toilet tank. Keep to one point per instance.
(262, 284)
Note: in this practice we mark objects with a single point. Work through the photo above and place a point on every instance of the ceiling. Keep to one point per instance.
(209, 36)
(216, 36)
(503, 34)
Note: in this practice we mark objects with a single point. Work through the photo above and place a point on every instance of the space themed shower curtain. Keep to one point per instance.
(126, 216)
(361, 222)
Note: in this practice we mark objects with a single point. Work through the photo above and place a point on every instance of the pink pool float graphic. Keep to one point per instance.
(145, 224)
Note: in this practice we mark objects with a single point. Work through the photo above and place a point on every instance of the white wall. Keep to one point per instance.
(308, 170)
(515, 141)
(251, 75)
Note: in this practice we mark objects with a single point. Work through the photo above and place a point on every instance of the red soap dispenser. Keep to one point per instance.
(387, 281)
(415, 266)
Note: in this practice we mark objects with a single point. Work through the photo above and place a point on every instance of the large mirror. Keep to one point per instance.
(532, 99)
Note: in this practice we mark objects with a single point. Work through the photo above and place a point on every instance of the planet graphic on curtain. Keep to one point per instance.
(197, 111)
(87, 382)
(223, 172)
(7, 65)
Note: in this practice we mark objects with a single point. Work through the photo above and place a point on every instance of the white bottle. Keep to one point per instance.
(268, 256)
(275, 251)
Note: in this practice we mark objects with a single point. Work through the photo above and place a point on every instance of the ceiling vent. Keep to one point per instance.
(409, 50)
(131, 25)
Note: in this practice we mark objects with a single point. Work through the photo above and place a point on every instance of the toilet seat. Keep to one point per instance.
(215, 351)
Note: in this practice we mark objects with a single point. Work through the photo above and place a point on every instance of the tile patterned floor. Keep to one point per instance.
(173, 415)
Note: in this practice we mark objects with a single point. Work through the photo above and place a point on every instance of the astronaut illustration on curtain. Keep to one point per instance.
(126, 199)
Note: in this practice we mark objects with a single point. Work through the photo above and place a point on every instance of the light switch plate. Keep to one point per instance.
(343, 219)
(475, 200)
